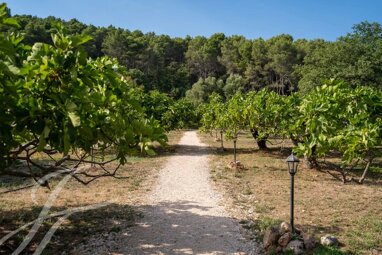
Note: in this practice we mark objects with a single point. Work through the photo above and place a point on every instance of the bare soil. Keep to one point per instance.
(323, 205)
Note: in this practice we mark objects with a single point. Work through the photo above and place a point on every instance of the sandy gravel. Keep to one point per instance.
(184, 215)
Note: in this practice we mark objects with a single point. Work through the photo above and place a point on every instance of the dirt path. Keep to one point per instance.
(183, 215)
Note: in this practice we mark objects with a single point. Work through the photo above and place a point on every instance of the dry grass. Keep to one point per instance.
(323, 205)
(17, 208)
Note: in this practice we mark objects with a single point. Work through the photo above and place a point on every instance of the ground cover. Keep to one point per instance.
(323, 205)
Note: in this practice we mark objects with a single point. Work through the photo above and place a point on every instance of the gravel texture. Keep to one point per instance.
(183, 215)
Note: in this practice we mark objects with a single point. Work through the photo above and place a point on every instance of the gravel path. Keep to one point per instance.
(183, 215)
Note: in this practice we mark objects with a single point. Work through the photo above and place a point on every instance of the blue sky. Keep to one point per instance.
(309, 19)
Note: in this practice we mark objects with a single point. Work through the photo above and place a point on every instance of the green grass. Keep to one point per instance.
(260, 208)
(133, 159)
(263, 223)
(238, 175)
(324, 250)
(366, 234)
(248, 191)
(14, 183)
(135, 183)
(286, 253)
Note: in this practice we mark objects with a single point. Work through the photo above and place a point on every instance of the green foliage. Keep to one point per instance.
(265, 222)
(181, 114)
(325, 250)
(160, 59)
(354, 58)
(235, 54)
(11, 52)
(57, 96)
(234, 83)
(202, 55)
(5, 19)
(203, 88)
(171, 114)
(336, 117)
(71, 102)
(213, 114)
(256, 71)
(289, 126)
(172, 65)
(156, 104)
(57, 72)
(264, 111)
(234, 119)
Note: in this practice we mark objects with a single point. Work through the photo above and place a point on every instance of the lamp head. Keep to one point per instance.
(292, 164)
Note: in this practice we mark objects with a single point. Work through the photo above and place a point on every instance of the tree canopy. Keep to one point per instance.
(174, 65)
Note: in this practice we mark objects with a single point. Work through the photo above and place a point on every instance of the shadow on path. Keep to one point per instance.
(187, 150)
(188, 228)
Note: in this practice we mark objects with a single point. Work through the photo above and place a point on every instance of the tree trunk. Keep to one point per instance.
(234, 151)
(295, 141)
(92, 156)
(261, 143)
(311, 162)
(221, 141)
(365, 171)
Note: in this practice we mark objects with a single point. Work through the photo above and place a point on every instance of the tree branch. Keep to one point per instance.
(95, 177)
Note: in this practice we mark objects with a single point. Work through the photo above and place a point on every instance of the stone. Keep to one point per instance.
(236, 165)
(279, 249)
(297, 231)
(310, 241)
(329, 240)
(285, 227)
(271, 236)
(297, 246)
(284, 239)
(248, 225)
(273, 249)
(376, 251)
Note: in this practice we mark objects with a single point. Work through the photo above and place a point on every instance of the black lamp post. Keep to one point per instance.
(292, 168)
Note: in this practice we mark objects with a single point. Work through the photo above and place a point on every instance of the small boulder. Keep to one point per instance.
(284, 239)
(236, 165)
(309, 241)
(329, 240)
(248, 225)
(271, 236)
(279, 249)
(285, 227)
(296, 246)
(273, 249)
(297, 231)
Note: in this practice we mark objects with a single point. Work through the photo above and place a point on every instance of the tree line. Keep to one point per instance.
(198, 66)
